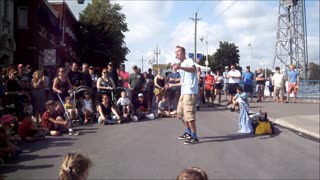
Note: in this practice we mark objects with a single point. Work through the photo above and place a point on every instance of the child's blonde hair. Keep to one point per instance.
(193, 173)
(74, 166)
(67, 98)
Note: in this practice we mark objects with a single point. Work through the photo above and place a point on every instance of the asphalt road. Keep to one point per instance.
(151, 150)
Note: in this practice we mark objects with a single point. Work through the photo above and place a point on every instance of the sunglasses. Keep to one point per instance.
(104, 72)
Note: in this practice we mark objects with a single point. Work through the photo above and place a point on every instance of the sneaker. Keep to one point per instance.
(74, 133)
(191, 140)
(185, 136)
(198, 107)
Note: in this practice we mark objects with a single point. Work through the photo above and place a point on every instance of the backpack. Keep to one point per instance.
(264, 126)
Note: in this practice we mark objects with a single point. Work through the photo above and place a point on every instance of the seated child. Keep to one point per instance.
(10, 124)
(164, 110)
(87, 108)
(141, 108)
(28, 131)
(55, 123)
(124, 104)
(7, 149)
(70, 106)
(242, 95)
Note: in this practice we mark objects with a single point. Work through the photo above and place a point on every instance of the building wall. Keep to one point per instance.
(7, 41)
(37, 29)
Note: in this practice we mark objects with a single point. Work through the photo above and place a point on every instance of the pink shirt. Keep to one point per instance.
(125, 77)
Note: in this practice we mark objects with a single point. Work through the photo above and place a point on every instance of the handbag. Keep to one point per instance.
(157, 91)
(264, 127)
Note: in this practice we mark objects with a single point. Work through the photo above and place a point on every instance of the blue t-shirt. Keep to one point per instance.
(293, 76)
(174, 75)
(247, 78)
(243, 96)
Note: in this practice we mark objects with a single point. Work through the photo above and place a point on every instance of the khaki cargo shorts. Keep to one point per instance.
(186, 109)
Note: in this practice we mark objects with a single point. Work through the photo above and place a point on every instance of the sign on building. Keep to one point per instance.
(49, 57)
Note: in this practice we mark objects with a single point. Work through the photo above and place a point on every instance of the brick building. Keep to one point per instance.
(7, 40)
(40, 37)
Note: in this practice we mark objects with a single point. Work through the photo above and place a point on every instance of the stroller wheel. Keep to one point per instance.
(134, 118)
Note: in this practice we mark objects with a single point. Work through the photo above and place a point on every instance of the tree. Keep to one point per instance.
(226, 54)
(314, 71)
(102, 28)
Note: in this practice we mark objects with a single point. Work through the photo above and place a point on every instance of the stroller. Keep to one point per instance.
(115, 96)
(76, 95)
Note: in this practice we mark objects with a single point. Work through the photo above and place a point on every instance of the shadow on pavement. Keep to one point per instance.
(13, 164)
(10, 168)
(233, 137)
(302, 135)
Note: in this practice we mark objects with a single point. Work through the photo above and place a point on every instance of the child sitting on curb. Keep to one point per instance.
(28, 130)
(55, 123)
(164, 110)
(124, 104)
(70, 106)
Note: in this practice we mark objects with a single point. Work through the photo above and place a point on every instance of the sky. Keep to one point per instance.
(165, 24)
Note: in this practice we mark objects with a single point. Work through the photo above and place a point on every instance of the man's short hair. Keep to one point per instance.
(277, 68)
(248, 67)
(134, 67)
(239, 88)
(49, 102)
(182, 48)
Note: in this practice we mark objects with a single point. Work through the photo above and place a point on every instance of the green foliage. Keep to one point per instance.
(102, 28)
(314, 73)
(226, 54)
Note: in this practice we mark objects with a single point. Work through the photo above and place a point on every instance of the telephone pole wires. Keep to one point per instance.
(157, 52)
(142, 63)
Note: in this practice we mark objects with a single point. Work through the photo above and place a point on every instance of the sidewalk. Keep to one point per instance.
(302, 116)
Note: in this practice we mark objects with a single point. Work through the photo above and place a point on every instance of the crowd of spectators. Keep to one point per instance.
(38, 99)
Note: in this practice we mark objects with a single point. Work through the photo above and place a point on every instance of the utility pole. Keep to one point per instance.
(195, 19)
(142, 63)
(157, 52)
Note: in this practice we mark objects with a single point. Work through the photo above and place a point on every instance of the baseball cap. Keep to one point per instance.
(91, 67)
(140, 95)
(7, 118)
(226, 67)
(110, 64)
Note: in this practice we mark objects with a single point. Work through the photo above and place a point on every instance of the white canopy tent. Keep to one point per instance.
(203, 68)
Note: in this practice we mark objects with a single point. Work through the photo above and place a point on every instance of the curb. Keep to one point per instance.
(299, 129)
(288, 125)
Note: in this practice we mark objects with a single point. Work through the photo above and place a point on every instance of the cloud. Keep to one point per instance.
(144, 18)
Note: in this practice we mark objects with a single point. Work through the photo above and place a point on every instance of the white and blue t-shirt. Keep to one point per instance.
(189, 80)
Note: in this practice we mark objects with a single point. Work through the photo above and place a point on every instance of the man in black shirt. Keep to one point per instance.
(87, 81)
(113, 74)
(260, 82)
(75, 76)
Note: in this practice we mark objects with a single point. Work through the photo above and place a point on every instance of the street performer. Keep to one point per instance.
(186, 110)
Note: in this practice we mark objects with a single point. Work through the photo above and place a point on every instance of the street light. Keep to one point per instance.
(265, 68)
(250, 55)
(206, 62)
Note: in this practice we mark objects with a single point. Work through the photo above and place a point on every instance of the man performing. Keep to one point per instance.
(186, 110)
